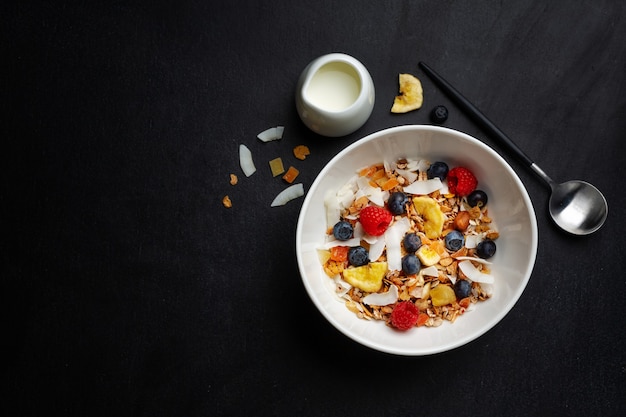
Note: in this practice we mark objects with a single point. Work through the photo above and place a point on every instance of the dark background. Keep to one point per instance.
(130, 290)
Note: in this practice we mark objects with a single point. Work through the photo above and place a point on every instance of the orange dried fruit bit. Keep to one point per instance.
(422, 318)
(276, 165)
(301, 152)
(233, 179)
(226, 202)
(291, 174)
(339, 253)
(389, 184)
(367, 171)
(380, 173)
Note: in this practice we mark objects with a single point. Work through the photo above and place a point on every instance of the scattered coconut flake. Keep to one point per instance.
(471, 258)
(245, 160)
(393, 241)
(431, 271)
(474, 274)
(423, 187)
(290, 193)
(452, 278)
(273, 133)
(382, 299)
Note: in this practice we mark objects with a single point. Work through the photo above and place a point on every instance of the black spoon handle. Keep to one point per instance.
(475, 114)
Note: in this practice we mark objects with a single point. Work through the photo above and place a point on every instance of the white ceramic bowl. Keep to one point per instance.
(509, 206)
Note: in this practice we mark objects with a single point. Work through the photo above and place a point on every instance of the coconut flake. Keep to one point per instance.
(382, 299)
(245, 160)
(423, 165)
(290, 193)
(471, 258)
(333, 209)
(410, 176)
(273, 133)
(336, 242)
(393, 239)
(341, 286)
(374, 194)
(431, 271)
(423, 187)
(472, 241)
(474, 274)
(376, 249)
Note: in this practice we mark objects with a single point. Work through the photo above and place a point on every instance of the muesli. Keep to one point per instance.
(408, 243)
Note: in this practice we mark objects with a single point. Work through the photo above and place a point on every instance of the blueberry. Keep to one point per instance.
(411, 242)
(439, 114)
(438, 169)
(462, 288)
(454, 240)
(342, 230)
(477, 198)
(486, 249)
(410, 264)
(397, 202)
(358, 256)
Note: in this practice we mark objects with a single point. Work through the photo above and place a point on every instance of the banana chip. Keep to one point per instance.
(411, 94)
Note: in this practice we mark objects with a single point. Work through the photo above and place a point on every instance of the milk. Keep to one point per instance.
(334, 87)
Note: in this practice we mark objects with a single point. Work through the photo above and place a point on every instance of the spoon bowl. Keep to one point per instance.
(577, 207)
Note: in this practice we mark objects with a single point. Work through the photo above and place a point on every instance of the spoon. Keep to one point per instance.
(575, 206)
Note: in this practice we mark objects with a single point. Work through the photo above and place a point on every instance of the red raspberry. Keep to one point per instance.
(461, 181)
(404, 315)
(375, 220)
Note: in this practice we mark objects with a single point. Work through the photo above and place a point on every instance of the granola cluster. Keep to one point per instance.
(420, 288)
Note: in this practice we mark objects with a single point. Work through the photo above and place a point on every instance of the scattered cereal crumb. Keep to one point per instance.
(276, 165)
(301, 151)
(233, 179)
(291, 174)
(226, 202)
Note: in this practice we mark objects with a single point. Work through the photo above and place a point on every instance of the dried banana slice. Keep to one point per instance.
(411, 94)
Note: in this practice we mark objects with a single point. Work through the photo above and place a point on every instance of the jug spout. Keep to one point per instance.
(335, 95)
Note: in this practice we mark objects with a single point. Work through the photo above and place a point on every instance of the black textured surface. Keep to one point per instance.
(131, 290)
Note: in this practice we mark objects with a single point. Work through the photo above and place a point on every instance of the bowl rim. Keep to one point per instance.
(462, 341)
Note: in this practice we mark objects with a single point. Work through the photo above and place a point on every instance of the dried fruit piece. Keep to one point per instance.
(368, 278)
(233, 179)
(442, 295)
(226, 202)
(404, 315)
(339, 253)
(411, 94)
(291, 174)
(301, 152)
(433, 217)
(427, 255)
(276, 165)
